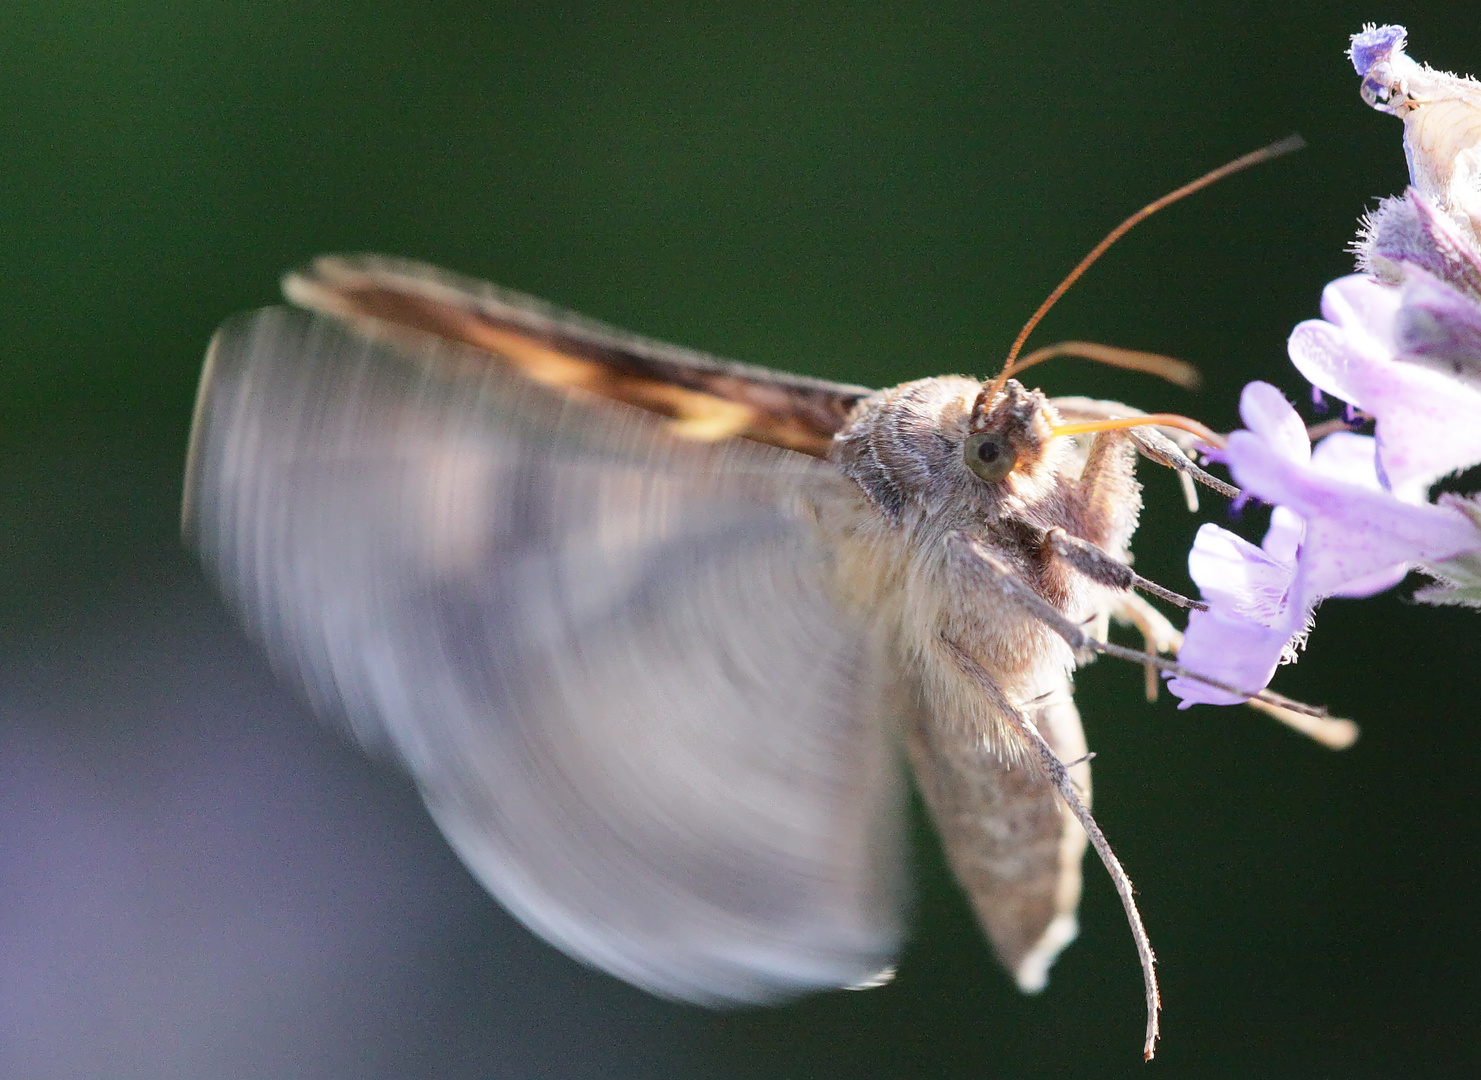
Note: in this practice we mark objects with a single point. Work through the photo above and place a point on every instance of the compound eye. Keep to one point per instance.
(990, 455)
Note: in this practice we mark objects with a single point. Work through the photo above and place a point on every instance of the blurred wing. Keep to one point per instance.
(608, 655)
(1013, 844)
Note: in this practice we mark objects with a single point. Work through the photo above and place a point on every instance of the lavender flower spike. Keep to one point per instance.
(1334, 531)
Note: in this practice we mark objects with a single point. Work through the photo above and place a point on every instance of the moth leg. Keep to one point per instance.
(1333, 732)
(1158, 635)
(1058, 774)
(1098, 565)
(1000, 576)
(1161, 636)
(1108, 496)
(1157, 447)
(1109, 501)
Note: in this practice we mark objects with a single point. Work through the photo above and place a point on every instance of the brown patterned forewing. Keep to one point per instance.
(705, 396)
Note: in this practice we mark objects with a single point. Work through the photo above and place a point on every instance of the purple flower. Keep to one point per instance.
(1427, 419)
(1352, 517)
(1334, 531)
(1410, 232)
(1442, 121)
(1250, 623)
(1377, 53)
(1439, 327)
(1355, 534)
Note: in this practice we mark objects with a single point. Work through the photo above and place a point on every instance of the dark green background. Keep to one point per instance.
(196, 882)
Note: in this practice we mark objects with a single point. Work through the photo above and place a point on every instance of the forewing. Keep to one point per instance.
(1012, 843)
(703, 394)
(609, 655)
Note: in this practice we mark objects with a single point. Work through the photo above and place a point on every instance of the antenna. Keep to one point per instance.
(1265, 153)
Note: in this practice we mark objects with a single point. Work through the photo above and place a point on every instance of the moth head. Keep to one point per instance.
(944, 445)
(1009, 440)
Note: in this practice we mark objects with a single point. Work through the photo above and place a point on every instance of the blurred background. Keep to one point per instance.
(198, 882)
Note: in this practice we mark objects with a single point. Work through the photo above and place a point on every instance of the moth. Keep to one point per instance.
(652, 631)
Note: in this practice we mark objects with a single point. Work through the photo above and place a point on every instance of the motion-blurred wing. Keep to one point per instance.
(609, 655)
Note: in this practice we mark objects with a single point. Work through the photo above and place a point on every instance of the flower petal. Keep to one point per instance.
(1267, 413)
(1351, 532)
(1427, 421)
(1374, 583)
(1283, 538)
(1250, 621)
(1349, 457)
(1364, 310)
(1358, 333)
(1374, 45)
(1428, 427)
(1439, 327)
(1237, 577)
(1235, 651)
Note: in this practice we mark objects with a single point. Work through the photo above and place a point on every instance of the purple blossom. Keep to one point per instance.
(1334, 531)
(1249, 625)
(1427, 420)
(1252, 618)
(1355, 534)
(1374, 45)
(1410, 232)
(1442, 121)
(1352, 516)
(1439, 327)
(1377, 53)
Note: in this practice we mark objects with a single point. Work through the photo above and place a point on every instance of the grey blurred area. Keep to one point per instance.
(196, 880)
